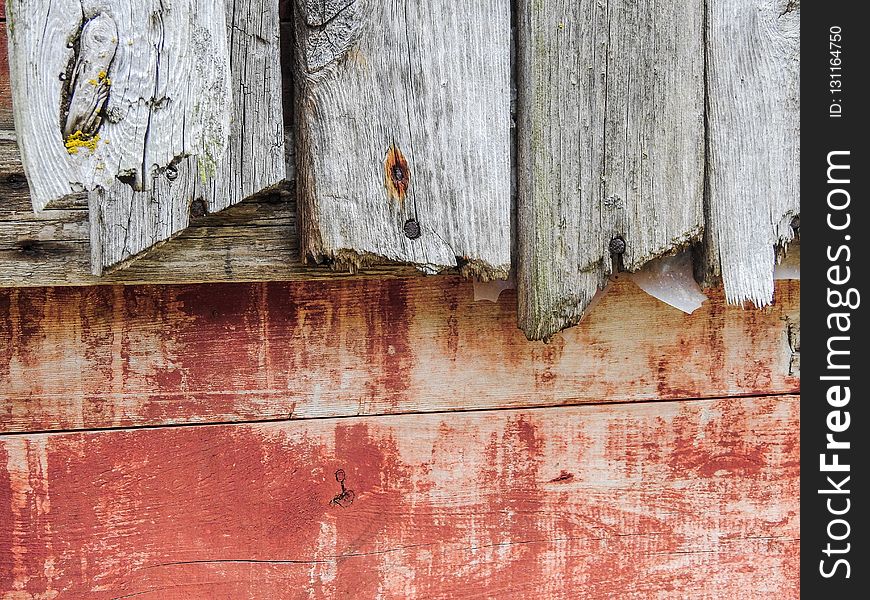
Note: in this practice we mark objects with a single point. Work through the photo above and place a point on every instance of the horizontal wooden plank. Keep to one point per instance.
(672, 499)
(150, 355)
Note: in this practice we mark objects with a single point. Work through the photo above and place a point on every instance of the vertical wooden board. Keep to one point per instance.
(403, 133)
(753, 88)
(106, 95)
(610, 145)
(666, 499)
(151, 355)
(5, 91)
(255, 161)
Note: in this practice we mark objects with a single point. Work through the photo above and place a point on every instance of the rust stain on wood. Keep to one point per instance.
(444, 505)
(149, 355)
(397, 174)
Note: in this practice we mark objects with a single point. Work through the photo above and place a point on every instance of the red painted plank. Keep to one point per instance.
(671, 499)
(124, 356)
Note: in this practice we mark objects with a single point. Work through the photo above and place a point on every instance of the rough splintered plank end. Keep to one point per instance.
(403, 134)
(194, 145)
(130, 103)
(610, 147)
(754, 143)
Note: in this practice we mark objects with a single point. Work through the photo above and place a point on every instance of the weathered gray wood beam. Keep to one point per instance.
(610, 146)
(135, 106)
(753, 88)
(403, 133)
(130, 102)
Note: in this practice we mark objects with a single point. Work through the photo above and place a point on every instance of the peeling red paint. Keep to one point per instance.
(146, 355)
(444, 506)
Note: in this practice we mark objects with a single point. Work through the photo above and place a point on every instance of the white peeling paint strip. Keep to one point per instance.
(670, 280)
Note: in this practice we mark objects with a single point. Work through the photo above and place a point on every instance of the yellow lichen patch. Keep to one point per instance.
(102, 79)
(79, 140)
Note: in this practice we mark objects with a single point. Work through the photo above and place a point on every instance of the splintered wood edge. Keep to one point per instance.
(352, 262)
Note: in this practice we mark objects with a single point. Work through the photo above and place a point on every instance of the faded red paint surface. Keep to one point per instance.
(149, 355)
(662, 499)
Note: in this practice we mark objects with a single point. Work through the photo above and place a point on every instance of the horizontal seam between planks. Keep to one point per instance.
(338, 557)
(291, 419)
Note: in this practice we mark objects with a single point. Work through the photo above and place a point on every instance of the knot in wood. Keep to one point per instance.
(617, 245)
(397, 173)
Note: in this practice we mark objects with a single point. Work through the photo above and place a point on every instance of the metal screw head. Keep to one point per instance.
(617, 245)
(412, 229)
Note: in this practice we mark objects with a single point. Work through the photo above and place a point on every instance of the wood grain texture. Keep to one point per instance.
(5, 90)
(658, 500)
(256, 157)
(254, 160)
(753, 88)
(404, 113)
(108, 94)
(132, 356)
(610, 144)
(124, 222)
(253, 241)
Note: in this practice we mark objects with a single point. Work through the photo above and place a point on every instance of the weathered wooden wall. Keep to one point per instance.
(375, 437)
(256, 240)
(173, 114)
(170, 441)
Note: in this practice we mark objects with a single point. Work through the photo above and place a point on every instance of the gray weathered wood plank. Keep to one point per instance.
(404, 133)
(109, 93)
(610, 145)
(200, 175)
(254, 160)
(753, 88)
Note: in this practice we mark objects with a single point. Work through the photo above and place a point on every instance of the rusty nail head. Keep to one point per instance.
(412, 229)
(617, 245)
